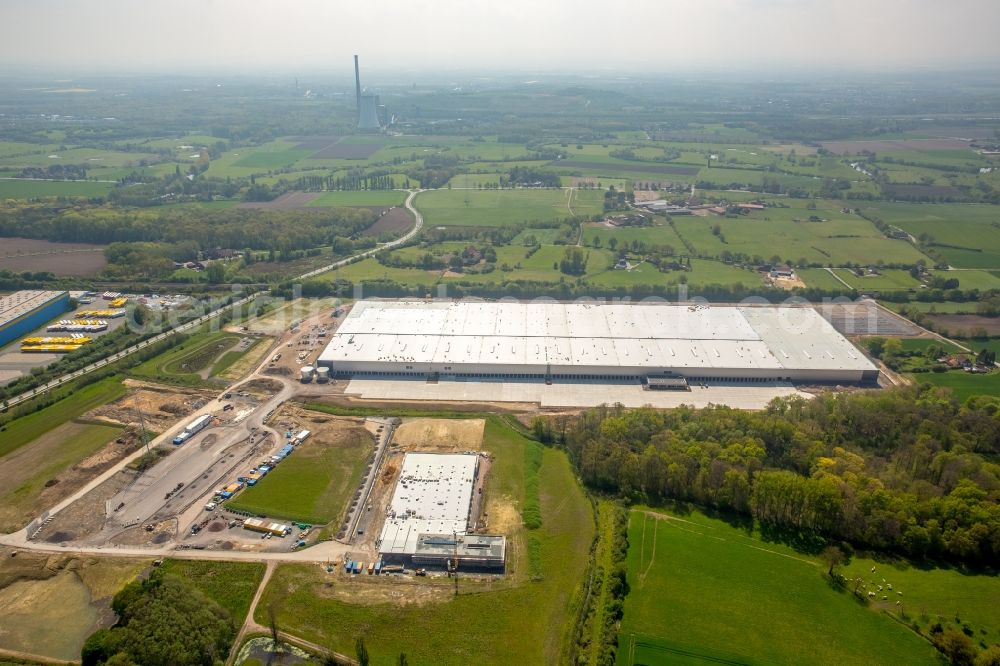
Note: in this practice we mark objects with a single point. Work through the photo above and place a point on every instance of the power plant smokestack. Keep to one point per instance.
(357, 87)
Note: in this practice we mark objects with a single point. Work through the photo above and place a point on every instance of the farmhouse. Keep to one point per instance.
(589, 341)
(428, 518)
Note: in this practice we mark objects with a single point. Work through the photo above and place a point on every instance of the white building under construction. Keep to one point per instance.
(428, 519)
(581, 341)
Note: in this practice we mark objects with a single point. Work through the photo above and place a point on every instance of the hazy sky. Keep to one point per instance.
(669, 36)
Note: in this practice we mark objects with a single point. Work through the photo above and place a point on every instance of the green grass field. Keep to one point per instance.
(510, 621)
(934, 595)
(312, 485)
(227, 360)
(942, 307)
(231, 584)
(362, 198)
(819, 278)
(497, 208)
(183, 363)
(963, 384)
(703, 591)
(888, 280)
(20, 431)
(271, 155)
(30, 189)
(41, 460)
(787, 232)
(661, 235)
(971, 231)
(972, 279)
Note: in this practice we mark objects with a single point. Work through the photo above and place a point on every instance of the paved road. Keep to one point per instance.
(55, 383)
(385, 246)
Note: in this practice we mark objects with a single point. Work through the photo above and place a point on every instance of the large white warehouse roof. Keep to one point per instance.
(432, 496)
(550, 337)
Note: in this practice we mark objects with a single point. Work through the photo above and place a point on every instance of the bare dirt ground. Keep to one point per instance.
(334, 395)
(86, 515)
(395, 220)
(161, 405)
(422, 434)
(321, 426)
(788, 283)
(69, 259)
(161, 533)
(287, 201)
(963, 325)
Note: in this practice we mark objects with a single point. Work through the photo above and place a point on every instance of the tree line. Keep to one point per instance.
(237, 228)
(908, 470)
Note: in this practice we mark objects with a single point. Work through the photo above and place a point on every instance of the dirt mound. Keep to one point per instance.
(216, 526)
(265, 386)
(59, 537)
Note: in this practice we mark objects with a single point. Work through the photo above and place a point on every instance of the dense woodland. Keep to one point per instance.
(228, 228)
(907, 470)
(162, 621)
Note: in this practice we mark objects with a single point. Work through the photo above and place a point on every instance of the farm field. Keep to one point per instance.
(62, 259)
(961, 326)
(53, 602)
(497, 208)
(964, 235)
(379, 198)
(703, 272)
(819, 278)
(972, 279)
(963, 384)
(889, 279)
(315, 483)
(11, 188)
(661, 235)
(948, 307)
(279, 153)
(698, 584)
(27, 473)
(95, 159)
(231, 584)
(516, 620)
(837, 239)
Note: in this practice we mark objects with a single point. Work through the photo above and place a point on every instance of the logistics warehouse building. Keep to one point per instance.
(430, 513)
(552, 340)
(24, 311)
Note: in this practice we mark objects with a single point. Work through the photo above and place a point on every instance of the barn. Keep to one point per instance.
(554, 341)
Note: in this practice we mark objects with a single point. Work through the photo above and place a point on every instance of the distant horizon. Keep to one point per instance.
(649, 36)
(437, 75)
